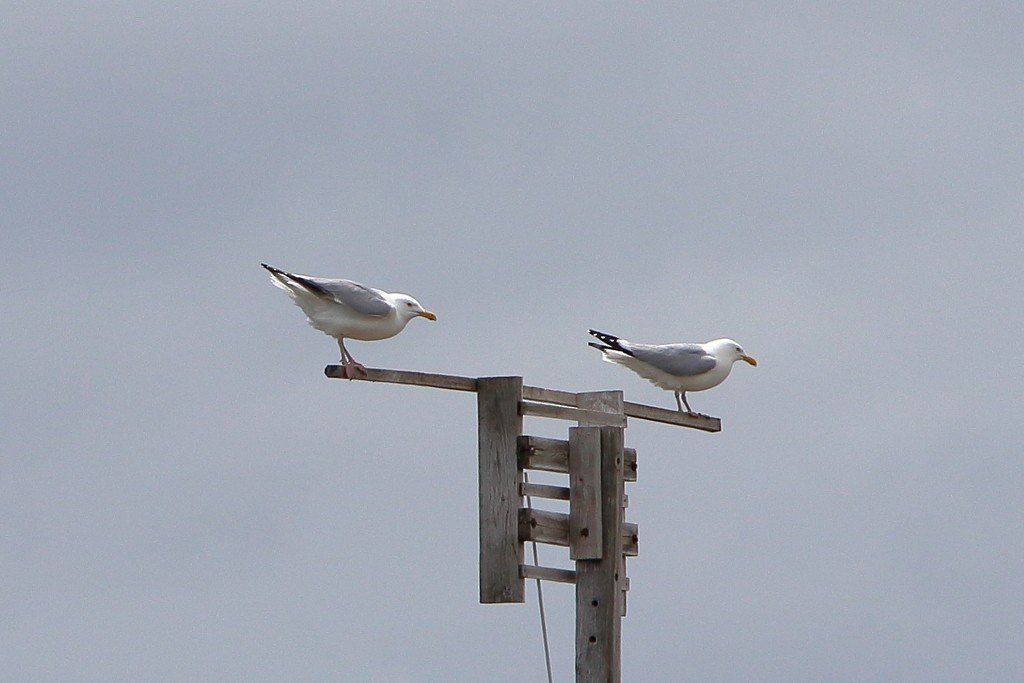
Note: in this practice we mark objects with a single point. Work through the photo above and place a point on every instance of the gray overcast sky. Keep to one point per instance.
(185, 497)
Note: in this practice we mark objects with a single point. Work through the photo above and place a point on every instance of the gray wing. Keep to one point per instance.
(359, 298)
(681, 360)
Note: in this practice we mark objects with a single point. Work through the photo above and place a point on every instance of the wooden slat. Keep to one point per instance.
(501, 551)
(584, 531)
(423, 379)
(541, 453)
(544, 491)
(544, 526)
(574, 414)
(529, 571)
(561, 398)
(552, 455)
(673, 417)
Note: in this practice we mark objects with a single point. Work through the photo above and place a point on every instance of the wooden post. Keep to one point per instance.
(599, 582)
(594, 531)
(585, 538)
(501, 551)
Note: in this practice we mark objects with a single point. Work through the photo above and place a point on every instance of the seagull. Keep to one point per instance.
(348, 310)
(678, 367)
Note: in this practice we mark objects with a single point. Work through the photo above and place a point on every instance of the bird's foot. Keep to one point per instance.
(688, 411)
(352, 369)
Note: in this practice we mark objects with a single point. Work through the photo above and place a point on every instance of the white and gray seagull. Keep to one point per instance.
(348, 310)
(676, 367)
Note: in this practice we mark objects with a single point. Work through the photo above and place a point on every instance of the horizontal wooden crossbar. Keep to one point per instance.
(551, 396)
(544, 491)
(423, 379)
(552, 455)
(572, 414)
(544, 526)
(529, 571)
(705, 423)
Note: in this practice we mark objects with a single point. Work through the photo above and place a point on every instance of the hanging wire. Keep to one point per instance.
(540, 593)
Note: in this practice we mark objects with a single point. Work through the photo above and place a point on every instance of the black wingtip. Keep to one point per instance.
(611, 340)
(600, 347)
(304, 282)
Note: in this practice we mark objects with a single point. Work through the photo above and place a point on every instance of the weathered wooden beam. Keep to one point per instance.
(423, 379)
(545, 526)
(529, 571)
(561, 398)
(638, 410)
(499, 427)
(673, 417)
(538, 394)
(574, 414)
(544, 491)
(552, 455)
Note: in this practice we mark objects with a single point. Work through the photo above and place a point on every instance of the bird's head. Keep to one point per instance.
(409, 308)
(733, 351)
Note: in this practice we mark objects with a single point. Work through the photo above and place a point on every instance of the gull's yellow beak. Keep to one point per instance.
(428, 315)
(749, 359)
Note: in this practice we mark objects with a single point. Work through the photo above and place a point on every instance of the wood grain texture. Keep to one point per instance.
(544, 491)
(423, 379)
(545, 526)
(704, 423)
(529, 571)
(561, 398)
(585, 493)
(599, 583)
(557, 412)
(552, 455)
(499, 427)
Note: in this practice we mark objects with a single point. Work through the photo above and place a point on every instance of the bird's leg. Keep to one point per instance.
(348, 363)
(678, 403)
(682, 394)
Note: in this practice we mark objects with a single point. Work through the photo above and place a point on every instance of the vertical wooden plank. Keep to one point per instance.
(499, 426)
(599, 582)
(585, 493)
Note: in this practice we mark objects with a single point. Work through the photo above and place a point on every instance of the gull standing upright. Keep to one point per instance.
(677, 367)
(348, 310)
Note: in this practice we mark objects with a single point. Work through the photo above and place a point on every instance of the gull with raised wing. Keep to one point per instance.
(348, 310)
(676, 367)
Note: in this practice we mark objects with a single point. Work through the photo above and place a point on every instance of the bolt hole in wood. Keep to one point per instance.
(593, 639)
(584, 532)
(593, 603)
